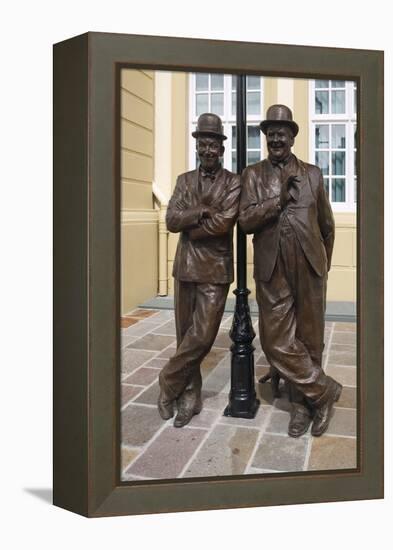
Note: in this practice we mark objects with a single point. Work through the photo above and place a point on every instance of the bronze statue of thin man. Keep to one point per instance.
(203, 209)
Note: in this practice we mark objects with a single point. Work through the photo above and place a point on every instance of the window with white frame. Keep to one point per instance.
(216, 93)
(333, 139)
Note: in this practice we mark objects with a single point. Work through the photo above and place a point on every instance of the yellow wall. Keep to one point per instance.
(180, 142)
(138, 217)
(342, 276)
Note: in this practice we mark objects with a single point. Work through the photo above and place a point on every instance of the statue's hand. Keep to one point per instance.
(285, 196)
(207, 211)
(292, 181)
(181, 204)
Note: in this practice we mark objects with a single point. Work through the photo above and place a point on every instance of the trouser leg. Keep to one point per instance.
(280, 335)
(310, 303)
(184, 367)
(185, 301)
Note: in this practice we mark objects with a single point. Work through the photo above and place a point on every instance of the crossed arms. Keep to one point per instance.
(202, 221)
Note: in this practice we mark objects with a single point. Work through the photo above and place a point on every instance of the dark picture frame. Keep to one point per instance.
(87, 274)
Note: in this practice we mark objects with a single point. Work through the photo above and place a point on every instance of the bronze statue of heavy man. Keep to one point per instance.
(203, 208)
(284, 204)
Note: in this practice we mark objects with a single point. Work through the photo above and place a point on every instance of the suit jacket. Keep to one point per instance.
(308, 212)
(205, 249)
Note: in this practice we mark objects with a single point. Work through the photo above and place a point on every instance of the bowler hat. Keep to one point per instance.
(279, 114)
(210, 125)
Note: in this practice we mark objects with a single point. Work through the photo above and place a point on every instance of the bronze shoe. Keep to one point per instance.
(165, 405)
(188, 404)
(274, 376)
(324, 413)
(300, 420)
(166, 401)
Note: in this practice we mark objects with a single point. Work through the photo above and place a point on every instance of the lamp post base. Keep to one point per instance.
(243, 402)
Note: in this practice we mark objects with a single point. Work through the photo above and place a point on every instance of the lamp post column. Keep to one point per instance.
(243, 402)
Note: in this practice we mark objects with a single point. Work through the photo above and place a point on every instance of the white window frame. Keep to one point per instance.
(349, 120)
(228, 119)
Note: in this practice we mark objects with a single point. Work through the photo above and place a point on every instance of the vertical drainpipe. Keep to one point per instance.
(162, 252)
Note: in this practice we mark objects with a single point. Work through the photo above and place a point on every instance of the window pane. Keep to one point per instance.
(338, 102)
(326, 184)
(322, 136)
(201, 82)
(338, 163)
(322, 83)
(202, 103)
(217, 81)
(234, 165)
(253, 103)
(321, 102)
(217, 104)
(322, 160)
(338, 136)
(253, 82)
(234, 103)
(253, 137)
(338, 84)
(253, 157)
(234, 83)
(338, 190)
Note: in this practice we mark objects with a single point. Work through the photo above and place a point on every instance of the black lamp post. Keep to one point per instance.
(243, 402)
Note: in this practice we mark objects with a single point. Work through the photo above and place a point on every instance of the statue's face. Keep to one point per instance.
(209, 150)
(279, 139)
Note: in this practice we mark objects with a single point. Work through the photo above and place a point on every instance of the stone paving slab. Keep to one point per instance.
(257, 422)
(142, 313)
(168, 352)
(218, 379)
(129, 392)
(139, 424)
(332, 453)
(344, 358)
(152, 342)
(142, 328)
(340, 348)
(143, 376)
(205, 419)
(226, 451)
(223, 340)
(345, 327)
(126, 339)
(348, 398)
(150, 395)
(131, 359)
(168, 328)
(127, 456)
(278, 422)
(215, 357)
(280, 452)
(214, 400)
(127, 322)
(348, 338)
(163, 315)
(168, 454)
(344, 375)
(343, 422)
